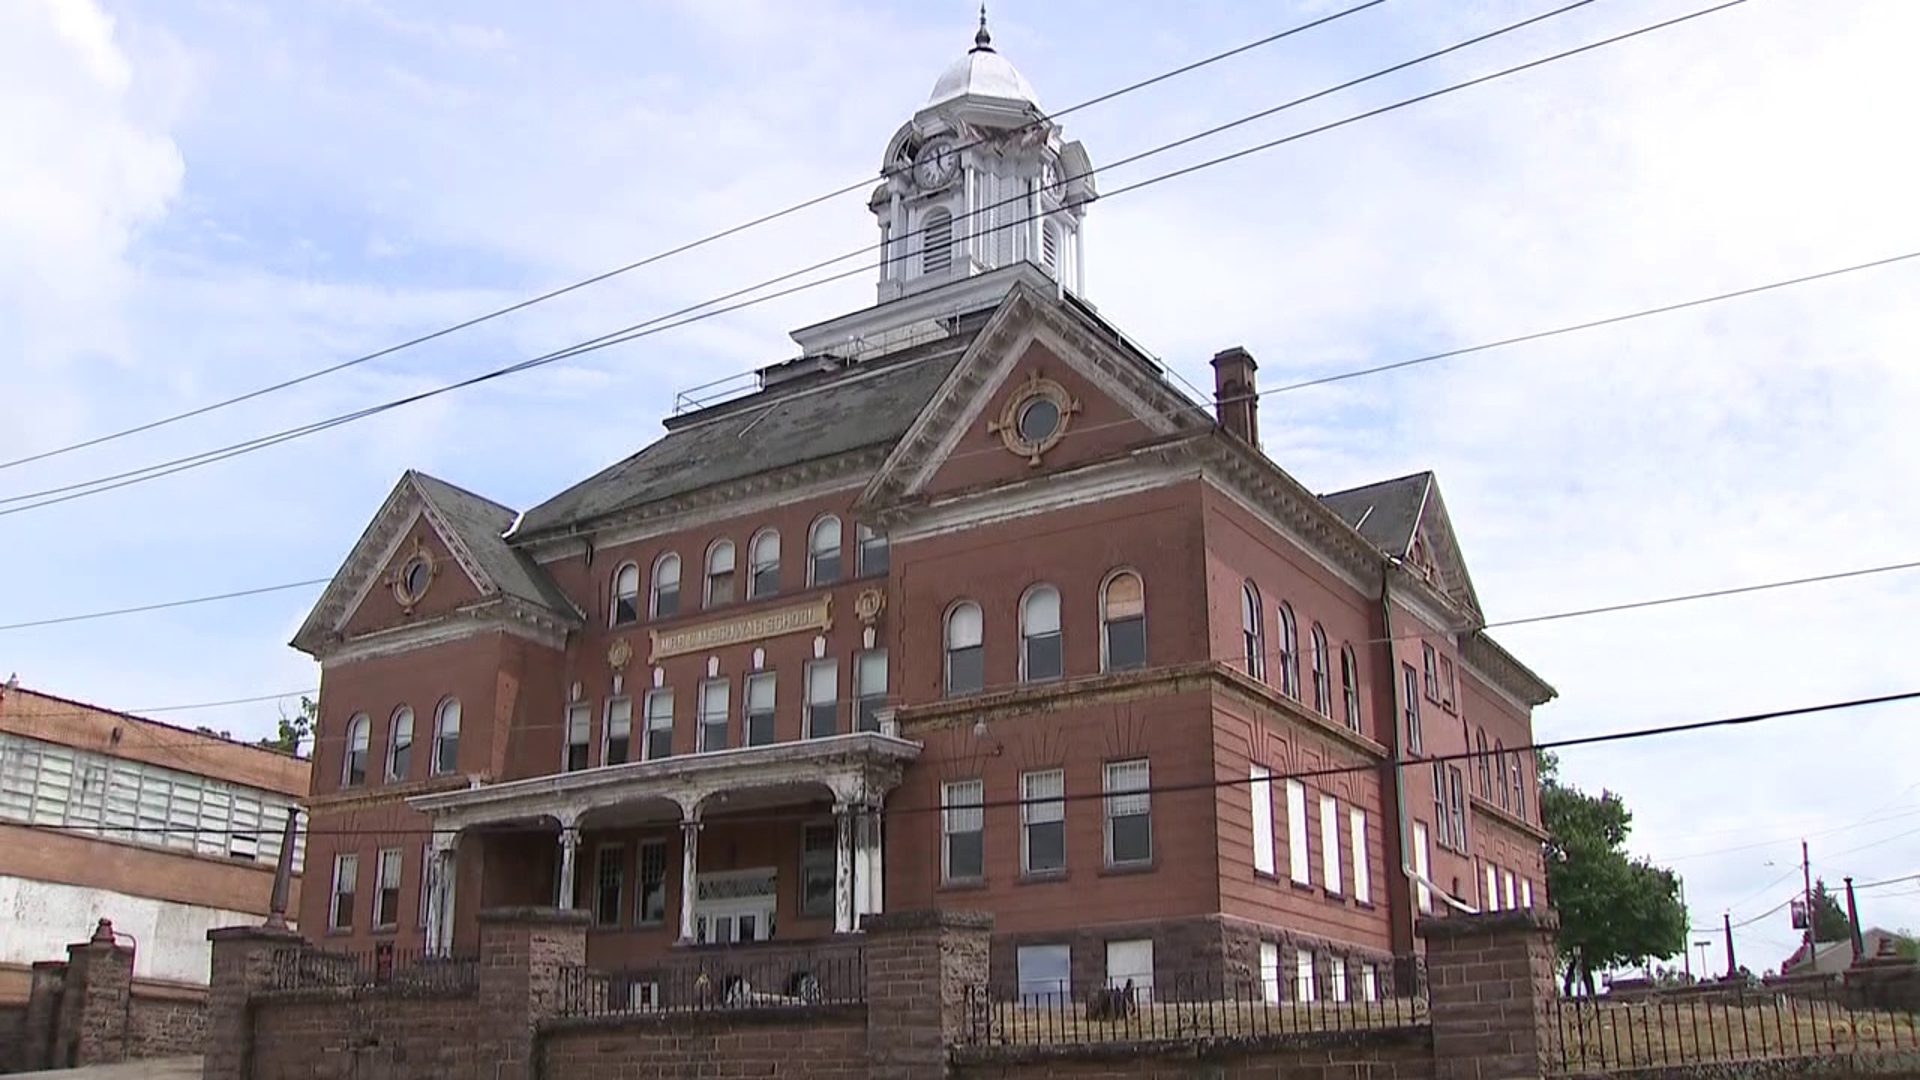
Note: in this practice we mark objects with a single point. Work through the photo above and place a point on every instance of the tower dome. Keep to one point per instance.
(982, 72)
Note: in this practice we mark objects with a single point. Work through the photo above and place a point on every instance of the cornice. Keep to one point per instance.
(1259, 694)
(503, 614)
(1507, 819)
(730, 499)
(1497, 668)
(382, 794)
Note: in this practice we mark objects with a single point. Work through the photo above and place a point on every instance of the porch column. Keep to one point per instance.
(843, 914)
(569, 852)
(689, 864)
(440, 879)
(868, 896)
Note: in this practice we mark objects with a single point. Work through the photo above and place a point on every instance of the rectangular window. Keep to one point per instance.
(817, 843)
(760, 709)
(619, 731)
(823, 698)
(1442, 817)
(1303, 983)
(1270, 972)
(659, 724)
(386, 889)
(1490, 899)
(1422, 859)
(1301, 867)
(1369, 983)
(870, 689)
(1526, 892)
(650, 899)
(1446, 682)
(1338, 970)
(346, 873)
(579, 735)
(1506, 877)
(1330, 843)
(1362, 868)
(1130, 963)
(715, 707)
(1044, 971)
(963, 830)
(1129, 818)
(872, 552)
(609, 872)
(1261, 792)
(426, 881)
(1430, 670)
(1411, 686)
(1457, 806)
(1043, 821)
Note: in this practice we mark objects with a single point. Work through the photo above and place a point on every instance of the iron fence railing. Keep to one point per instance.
(716, 981)
(1595, 1034)
(1349, 998)
(383, 966)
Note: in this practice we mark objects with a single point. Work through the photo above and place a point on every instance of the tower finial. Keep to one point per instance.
(983, 41)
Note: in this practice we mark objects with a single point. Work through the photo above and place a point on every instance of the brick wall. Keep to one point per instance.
(829, 1043)
(1377, 1055)
(13, 1038)
(348, 1033)
(166, 1023)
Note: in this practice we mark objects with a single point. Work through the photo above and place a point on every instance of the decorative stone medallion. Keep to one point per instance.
(619, 653)
(1036, 418)
(869, 604)
(414, 576)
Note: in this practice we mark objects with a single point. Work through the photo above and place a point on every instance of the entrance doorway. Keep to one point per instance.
(735, 906)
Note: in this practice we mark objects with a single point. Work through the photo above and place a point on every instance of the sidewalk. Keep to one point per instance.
(176, 1068)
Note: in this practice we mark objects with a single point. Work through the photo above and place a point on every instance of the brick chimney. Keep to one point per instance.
(1235, 401)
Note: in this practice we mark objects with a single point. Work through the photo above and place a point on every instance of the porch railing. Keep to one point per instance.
(1595, 1034)
(718, 981)
(1202, 1007)
(384, 966)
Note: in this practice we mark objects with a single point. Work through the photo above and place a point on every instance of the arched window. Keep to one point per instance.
(1519, 785)
(1485, 770)
(966, 661)
(1123, 622)
(1253, 635)
(1289, 652)
(665, 601)
(1322, 674)
(626, 594)
(823, 551)
(353, 769)
(763, 564)
(446, 737)
(936, 242)
(1350, 687)
(400, 744)
(1040, 657)
(1500, 767)
(719, 573)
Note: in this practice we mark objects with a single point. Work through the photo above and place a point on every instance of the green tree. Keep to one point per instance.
(1615, 911)
(295, 730)
(1830, 922)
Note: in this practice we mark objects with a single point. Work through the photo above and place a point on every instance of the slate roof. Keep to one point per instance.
(1387, 512)
(783, 425)
(480, 523)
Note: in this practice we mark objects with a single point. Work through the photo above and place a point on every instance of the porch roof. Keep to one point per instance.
(858, 767)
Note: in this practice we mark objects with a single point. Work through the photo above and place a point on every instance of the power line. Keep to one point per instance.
(164, 605)
(65, 493)
(885, 174)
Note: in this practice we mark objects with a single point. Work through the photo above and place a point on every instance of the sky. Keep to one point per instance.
(201, 197)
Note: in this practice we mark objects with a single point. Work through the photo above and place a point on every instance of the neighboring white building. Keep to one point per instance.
(88, 799)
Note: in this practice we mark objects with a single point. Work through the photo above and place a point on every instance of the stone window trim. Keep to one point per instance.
(1042, 643)
(962, 815)
(823, 551)
(1322, 671)
(577, 741)
(872, 555)
(763, 564)
(446, 737)
(342, 897)
(1043, 810)
(663, 593)
(963, 646)
(1127, 790)
(1123, 611)
(719, 574)
(400, 745)
(1253, 633)
(1350, 687)
(353, 763)
(387, 877)
(623, 608)
(1430, 671)
(1289, 652)
(617, 728)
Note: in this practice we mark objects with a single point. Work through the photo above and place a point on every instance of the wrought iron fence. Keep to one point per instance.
(716, 981)
(1592, 1034)
(1352, 997)
(383, 966)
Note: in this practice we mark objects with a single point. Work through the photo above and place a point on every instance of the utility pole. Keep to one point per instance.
(1806, 877)
(1853, 924)
(1686, 954)
(1726, 920)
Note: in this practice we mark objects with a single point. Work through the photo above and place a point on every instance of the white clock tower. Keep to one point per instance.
(980, 179)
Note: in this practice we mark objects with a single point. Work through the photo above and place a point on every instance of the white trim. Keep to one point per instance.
(697, 519)
(1040, 495)
(1493, 685)
(1433, 618)
(387, 552)
(456, 626)
(1212, 476)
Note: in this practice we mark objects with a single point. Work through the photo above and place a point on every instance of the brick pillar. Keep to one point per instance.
(99, 985)
(1490, 987)
(920, 967)
(243, 959)
(43, 1014)
(522, 954)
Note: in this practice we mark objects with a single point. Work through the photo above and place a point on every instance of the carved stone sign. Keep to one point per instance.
(813, 615)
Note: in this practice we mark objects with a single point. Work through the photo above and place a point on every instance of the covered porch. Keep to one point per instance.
(779, 842)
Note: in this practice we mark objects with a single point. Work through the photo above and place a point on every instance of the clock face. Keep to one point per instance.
(936, 164)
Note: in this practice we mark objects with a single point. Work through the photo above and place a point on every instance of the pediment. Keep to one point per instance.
(1434, 553)
(1038, 351)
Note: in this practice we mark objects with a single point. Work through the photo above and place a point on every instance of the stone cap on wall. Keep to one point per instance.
(546, 916)
(1488, 923)
(893, 922)
(254, 933)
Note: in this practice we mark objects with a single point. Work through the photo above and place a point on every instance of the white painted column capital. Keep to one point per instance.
(569, 859)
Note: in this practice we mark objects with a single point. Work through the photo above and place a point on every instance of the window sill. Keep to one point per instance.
(1266, 875)
(1306, 887)
(962, 885)
(1333, 896)
(1364, 905)
(1124, 869)
(1042, 877)
(385, 931)
(339, 931)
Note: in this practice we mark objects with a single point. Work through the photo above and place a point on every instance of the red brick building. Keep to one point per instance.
(966, 606)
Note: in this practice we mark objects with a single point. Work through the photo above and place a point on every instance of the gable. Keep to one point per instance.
(380, 605)
(1110, 396)
(1434, 553)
